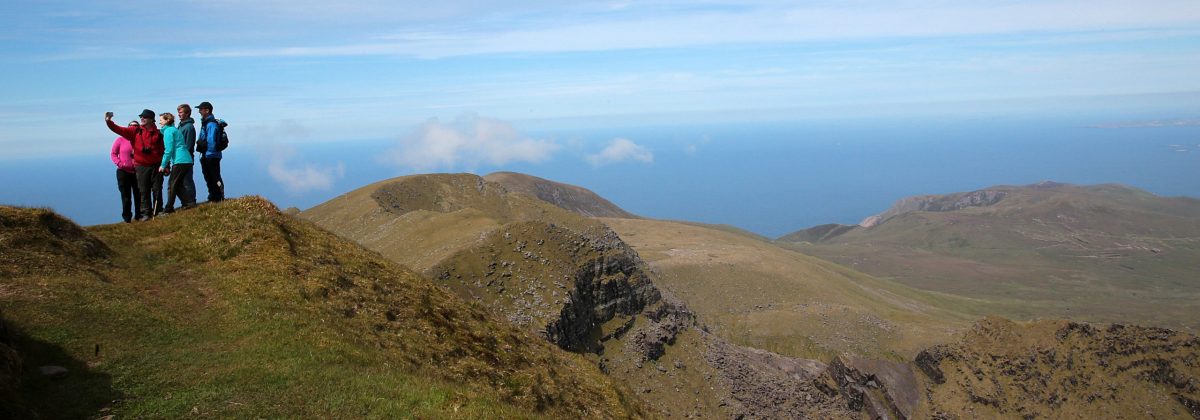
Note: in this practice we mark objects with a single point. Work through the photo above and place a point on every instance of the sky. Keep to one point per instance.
(461, 85)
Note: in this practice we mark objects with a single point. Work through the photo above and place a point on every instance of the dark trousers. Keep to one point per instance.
(180, 185)
(211, 167)
(145, 183)
(127, 184)
(156, 195)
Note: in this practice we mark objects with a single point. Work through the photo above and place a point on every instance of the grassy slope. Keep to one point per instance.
(1102, 253)
(435, 216)
(236, 310)
(842, 310)
(576, 199)
(451, 219)
(757, 294)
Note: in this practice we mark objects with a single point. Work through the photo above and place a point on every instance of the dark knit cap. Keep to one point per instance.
(205, 105)
(146, 113)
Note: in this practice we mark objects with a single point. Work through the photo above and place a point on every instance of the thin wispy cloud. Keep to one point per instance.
(368, 28)
(757, 23)
(363, 70)
(302, 177)
(282, 160)
(468, 141)
(620, 150)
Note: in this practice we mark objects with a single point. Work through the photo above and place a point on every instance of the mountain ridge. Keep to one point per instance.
(569, 197)
(1106, 253)
(528, 309)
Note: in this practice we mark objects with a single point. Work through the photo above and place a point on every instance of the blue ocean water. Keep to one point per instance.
(769, 178)
(774, 179)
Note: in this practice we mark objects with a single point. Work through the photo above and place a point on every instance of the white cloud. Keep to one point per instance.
(621, 150)
(469, 141)
(305, 177)
(280, 156)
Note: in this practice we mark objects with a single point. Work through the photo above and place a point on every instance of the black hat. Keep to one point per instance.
(205, 105)
(146, 113)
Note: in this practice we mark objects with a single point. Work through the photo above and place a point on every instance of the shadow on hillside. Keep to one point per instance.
(81, 394)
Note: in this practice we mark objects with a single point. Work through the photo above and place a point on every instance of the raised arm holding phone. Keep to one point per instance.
(147, 155)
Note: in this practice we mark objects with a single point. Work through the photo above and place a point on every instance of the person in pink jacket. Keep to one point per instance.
(122, 156)
(147, 154)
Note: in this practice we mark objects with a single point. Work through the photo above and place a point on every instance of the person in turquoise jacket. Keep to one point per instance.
(177, 162)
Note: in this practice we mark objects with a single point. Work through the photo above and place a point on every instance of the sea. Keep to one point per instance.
(770, 178)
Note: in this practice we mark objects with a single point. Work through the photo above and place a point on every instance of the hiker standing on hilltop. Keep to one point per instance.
(122, 156)
(147, 154)
(210, 155)
(187, 132)
(176, 160)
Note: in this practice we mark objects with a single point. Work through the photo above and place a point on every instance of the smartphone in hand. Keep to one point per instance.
(108, 115)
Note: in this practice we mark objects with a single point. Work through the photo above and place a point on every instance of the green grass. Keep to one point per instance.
(237, 311)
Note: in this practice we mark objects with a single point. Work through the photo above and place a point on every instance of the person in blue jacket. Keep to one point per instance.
(176, 162)
(210, 157)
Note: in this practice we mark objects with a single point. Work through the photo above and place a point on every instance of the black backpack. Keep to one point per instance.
(222, 138)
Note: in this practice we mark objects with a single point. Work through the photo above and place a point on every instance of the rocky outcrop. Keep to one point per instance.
(937, 203)
(563, 283)
(762, 384)
(1062, 369)
(611, 282)
(666, 319)
(884, 389)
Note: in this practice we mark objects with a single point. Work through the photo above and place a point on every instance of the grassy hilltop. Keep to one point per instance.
(236, 310)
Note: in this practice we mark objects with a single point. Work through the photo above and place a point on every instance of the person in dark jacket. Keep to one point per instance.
(184, 178)
(147, 154)
(122, 156)
(210, 160)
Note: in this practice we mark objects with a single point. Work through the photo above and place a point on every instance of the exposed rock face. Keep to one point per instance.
(937, 203)
(1061, 369)
(563, 283)
(611, 282)
(885, 389)
(667, 318)
(762, 384)
(589, 292)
